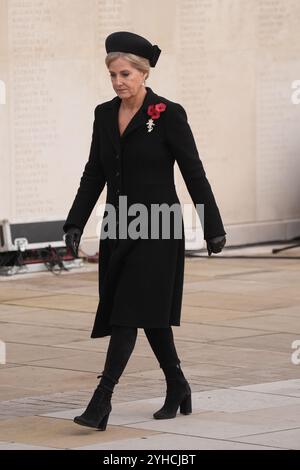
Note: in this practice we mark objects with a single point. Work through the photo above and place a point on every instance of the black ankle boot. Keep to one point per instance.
(178, 395)
(98, 410)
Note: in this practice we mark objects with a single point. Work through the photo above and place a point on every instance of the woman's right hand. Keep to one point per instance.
(216, 244)
(72, 239)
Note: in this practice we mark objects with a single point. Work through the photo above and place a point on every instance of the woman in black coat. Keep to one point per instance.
(137, 137)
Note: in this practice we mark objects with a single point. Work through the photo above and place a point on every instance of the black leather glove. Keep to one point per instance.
(215, 244)
(72, 239)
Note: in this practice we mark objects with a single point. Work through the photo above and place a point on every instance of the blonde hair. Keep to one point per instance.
(140, 63)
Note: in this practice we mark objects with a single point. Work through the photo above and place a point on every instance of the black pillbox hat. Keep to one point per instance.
(124, 41)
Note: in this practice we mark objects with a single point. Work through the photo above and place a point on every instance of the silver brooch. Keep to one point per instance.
(150, 124)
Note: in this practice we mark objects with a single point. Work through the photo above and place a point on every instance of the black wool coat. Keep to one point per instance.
(141, 280)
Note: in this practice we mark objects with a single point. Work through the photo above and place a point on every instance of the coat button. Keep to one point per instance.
(117, 156)
(118, 191)
(117, 173)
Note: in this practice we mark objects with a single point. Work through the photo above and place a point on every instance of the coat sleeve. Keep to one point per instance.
(181, 142)
(91, 184)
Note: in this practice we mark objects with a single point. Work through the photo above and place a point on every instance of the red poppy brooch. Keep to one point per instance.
(154, 111)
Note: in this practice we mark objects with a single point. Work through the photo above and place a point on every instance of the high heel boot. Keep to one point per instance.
(178, 395)
(98, 410)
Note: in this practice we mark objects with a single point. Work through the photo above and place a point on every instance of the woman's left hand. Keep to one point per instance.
(215, 244)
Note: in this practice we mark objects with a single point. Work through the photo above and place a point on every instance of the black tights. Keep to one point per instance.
(122, 342)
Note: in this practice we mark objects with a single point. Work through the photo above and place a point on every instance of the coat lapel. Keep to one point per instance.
(139, 119)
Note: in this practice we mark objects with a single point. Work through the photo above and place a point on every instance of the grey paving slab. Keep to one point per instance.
(132, 413)
(202, 426)
(194, 372)
(289, 388)
(270, 343)
(197, 314)
(27, 406)
(169, 441)
(273, 419)
(72, 302)
(71, 360)
(56, 286)
(20, 446)
(142, 346)
(9, 392)
(54, 318)
(203, 332)
(225, 401)
(86, 272)
(11, 293)
(39, 335)
(287, 439)
(189, 277)
(237, 301)
(38, 380)
(87, 344)
(233, 400)
(276, 277)
(228, 285)
(270, 322)
(216, 267)
(63, 434)
(292, 310)
(237, 355)
(11, 309)
(18, 354)
(85, 361)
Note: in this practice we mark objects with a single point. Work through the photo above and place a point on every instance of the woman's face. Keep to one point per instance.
(126, 80)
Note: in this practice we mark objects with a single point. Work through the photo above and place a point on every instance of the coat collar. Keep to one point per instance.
(139, 119)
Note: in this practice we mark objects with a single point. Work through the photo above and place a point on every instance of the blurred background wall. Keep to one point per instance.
(230, 63)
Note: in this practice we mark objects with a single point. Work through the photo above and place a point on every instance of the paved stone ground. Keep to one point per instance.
(240, 317)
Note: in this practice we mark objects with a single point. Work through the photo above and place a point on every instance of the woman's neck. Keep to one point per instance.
(134, 102)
